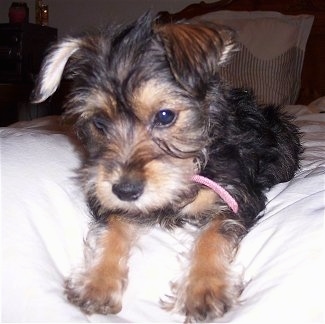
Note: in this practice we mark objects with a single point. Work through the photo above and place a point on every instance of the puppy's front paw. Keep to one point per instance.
(96, 294)
(201, 298)
(206, 298)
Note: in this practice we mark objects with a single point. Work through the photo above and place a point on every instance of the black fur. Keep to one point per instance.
(253, 148)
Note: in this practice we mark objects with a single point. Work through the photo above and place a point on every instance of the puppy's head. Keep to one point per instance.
(140, 96)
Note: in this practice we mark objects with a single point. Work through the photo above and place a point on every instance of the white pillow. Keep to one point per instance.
(271, 52)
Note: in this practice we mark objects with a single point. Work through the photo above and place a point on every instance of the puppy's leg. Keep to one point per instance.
(99, 287)
(207, 291)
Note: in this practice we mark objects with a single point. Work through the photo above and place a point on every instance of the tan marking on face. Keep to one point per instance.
(99, 101)
(165, 181)
(153, 96)
(103, 188)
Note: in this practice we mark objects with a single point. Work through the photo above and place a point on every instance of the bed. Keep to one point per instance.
(44, 216)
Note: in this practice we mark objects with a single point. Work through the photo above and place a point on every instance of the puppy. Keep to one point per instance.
(167, 142)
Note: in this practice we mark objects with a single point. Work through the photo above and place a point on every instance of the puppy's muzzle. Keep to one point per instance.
(128, 189)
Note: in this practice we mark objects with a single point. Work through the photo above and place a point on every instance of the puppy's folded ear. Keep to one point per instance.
(52, 69)
(196, 51)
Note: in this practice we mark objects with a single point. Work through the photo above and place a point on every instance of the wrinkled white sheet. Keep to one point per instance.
(44, 220)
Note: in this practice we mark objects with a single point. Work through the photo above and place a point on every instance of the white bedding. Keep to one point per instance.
(44, 220)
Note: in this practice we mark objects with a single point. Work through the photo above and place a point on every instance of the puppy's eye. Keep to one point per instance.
(164, 117)
(100, 124)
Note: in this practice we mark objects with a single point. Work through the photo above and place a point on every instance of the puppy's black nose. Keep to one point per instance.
(128, 190)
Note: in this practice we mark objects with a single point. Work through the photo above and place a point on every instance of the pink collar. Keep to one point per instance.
(223, 193)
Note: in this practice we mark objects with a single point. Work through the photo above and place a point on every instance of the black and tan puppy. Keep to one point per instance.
(167, 142)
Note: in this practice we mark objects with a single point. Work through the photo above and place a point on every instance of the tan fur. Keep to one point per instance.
(98, 102)
(205, 289)
(197, 40)
(102, 285)
(204, 198)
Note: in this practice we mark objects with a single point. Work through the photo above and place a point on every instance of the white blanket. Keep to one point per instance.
(45, 218)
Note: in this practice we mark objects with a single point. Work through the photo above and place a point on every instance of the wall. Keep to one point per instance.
(74, 15)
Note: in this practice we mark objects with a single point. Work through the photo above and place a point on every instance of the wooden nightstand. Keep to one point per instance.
(22, 49)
